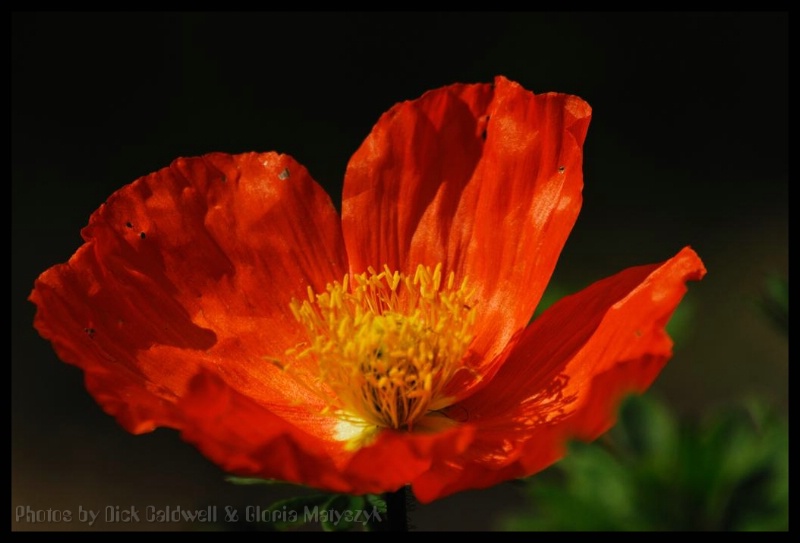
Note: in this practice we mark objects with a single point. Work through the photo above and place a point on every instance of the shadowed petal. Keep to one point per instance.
(192, 266)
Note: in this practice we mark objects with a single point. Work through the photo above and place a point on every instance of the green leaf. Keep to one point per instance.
(376, 501)
(293, 513)
(252, 481)
(342, 512)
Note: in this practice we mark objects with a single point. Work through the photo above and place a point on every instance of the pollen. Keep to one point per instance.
(386, 343)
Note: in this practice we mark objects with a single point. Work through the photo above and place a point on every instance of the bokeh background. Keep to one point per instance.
(688, 146)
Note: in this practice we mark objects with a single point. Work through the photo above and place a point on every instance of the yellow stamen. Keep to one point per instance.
(386, 343)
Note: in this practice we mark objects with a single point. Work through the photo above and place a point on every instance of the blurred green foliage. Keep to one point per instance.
(650, 472)
(775, 302)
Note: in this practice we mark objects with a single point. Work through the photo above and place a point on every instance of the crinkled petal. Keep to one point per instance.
(245, 438)
(483, 178)
(566, 375)
(192, 267)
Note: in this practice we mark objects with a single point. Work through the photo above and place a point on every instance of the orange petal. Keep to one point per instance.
(483, 178)
(245, 438)
(192, 266)
(566, 375)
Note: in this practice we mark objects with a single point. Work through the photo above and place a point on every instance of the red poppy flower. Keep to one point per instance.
(224, 297)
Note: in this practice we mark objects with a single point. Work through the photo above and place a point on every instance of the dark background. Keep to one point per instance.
(688, 145)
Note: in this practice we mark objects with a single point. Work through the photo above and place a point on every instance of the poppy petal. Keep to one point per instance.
(245, 438)
(483, 178)
(192, 266)
(566, 375)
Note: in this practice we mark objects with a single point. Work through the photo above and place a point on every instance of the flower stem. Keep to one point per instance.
(396, 512)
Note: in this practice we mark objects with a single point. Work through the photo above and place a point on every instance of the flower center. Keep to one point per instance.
(387, 343)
